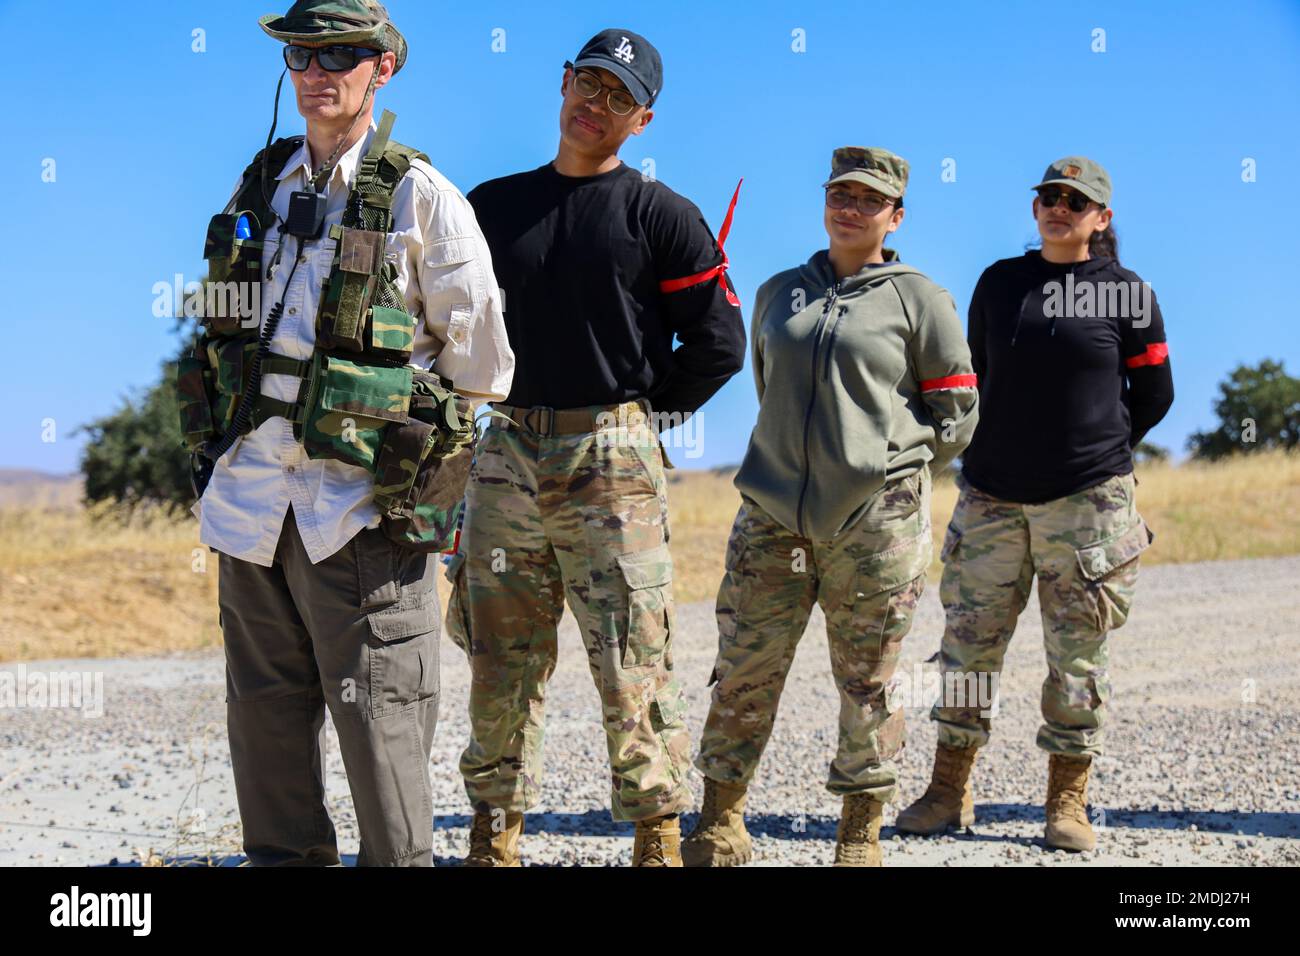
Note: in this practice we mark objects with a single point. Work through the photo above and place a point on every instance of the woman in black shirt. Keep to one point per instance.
(1069, 349)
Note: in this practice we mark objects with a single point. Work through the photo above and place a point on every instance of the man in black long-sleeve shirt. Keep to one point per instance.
(599, 268)
(581, 261)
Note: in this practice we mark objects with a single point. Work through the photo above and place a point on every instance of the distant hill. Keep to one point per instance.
(29, 488)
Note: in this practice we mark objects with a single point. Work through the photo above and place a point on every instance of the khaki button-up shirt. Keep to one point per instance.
(444, 273)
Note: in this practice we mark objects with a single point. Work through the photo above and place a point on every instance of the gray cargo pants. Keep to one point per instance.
(358, 633)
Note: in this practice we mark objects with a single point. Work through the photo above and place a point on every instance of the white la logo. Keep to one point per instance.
(624, 51)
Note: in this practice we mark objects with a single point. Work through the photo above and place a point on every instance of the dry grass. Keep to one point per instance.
(76, 584)
(1247, 507)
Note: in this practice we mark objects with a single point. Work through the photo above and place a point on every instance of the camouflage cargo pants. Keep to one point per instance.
(583, 516)
(1084, 550)
(868, 581)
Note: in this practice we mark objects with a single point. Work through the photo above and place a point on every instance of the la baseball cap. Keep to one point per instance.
(630, 57)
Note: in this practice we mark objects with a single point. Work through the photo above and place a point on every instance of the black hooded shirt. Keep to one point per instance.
(1073, 370)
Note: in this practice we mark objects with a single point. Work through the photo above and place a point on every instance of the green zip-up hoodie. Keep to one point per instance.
(861, 382)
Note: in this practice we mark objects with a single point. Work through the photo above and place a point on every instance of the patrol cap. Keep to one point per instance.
(1081, 173)
(630, 57)
(352, 22)
(872, 166)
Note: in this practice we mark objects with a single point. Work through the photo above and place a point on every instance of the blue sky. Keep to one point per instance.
(148, 135)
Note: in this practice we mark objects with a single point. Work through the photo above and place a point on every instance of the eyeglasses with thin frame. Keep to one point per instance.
(868, 205)
(1077, 202)
(332, 59)
(588, 85)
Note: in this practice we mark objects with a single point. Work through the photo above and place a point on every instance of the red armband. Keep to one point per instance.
(949, 381)
(1154, 355)
(674, 285)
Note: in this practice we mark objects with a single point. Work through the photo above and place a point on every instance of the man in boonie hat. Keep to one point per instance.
(358, 22)
(371, 268)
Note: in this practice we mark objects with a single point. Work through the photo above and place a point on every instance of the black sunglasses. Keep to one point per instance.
(1077, 202)
(332, 59)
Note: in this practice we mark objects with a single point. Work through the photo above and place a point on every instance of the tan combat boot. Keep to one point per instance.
(493, 843)
(858, 840)
(948, 800)
(719, 837)
(658, 842)
(1067, 798)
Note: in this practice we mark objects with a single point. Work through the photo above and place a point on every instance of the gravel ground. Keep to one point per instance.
(1202, 767)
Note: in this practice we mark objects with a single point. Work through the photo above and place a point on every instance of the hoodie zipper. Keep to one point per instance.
(832, 294)
(830, 342)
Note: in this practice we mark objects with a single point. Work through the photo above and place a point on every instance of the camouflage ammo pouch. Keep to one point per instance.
(423, 466)
(212, 375)
(210, 378)
(361, 310)
(232, 292)
(348, 406)
(193, 383)
(350, 401)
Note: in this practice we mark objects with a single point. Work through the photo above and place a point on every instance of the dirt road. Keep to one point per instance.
(1203, 763)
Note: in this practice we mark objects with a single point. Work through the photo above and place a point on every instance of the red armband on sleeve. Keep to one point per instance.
(948, 381)
(675, 285)
(1154, 355)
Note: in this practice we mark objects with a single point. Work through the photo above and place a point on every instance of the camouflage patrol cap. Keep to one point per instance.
(1081, 173)
(872, 166)
(354, 22)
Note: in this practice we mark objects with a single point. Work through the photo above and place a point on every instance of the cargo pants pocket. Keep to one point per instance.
(1107, 574)
(731, 593)
(889, 586)
(896, 502)
(649, 577)
(865, 639)
(401, 607)
(458, 627)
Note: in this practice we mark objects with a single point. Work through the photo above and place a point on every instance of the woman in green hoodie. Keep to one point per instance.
(865, 386)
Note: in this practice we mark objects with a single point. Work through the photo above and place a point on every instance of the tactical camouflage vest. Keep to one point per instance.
(359, 401)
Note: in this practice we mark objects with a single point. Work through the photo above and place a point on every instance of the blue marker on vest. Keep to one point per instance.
(242, 229)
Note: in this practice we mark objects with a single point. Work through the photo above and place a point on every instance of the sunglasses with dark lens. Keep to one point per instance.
(332, 59)
(588, 85)
(868, 205)
(1077, 202)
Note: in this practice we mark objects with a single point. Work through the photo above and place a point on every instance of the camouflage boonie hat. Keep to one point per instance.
(353, 22)
(1081, 173)
(872, 166)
